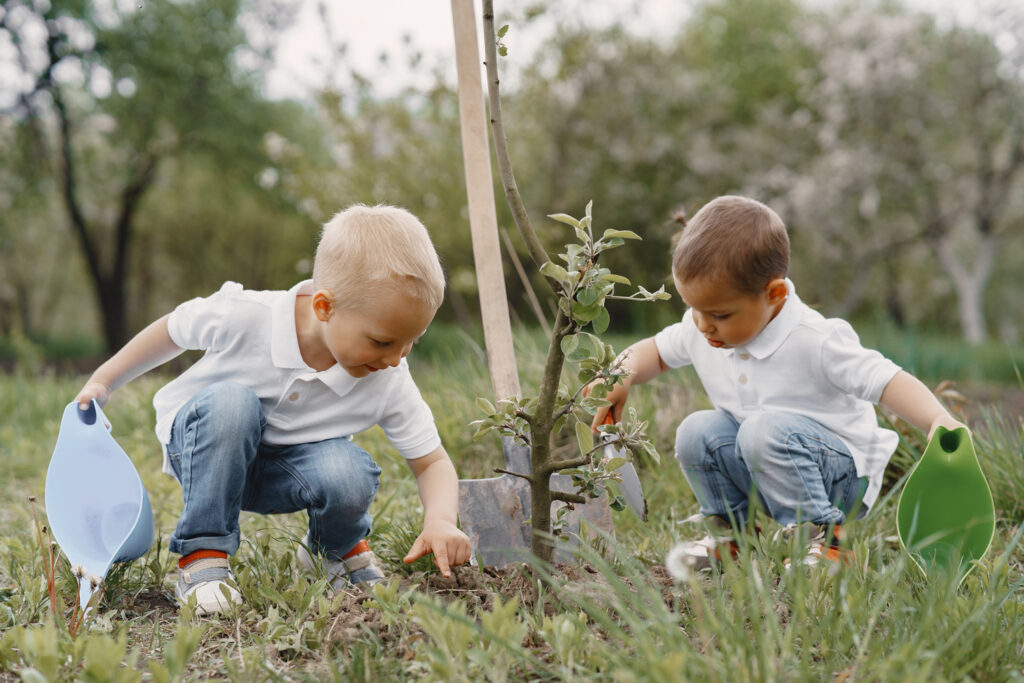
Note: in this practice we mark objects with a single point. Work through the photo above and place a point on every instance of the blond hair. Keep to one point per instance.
(734, 240)
(364, 248)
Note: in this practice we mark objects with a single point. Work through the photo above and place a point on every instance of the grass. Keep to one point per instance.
(613, 616)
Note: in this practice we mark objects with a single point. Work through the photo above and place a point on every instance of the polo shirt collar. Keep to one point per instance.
(284, 343)
(775, 332)
(284, 339)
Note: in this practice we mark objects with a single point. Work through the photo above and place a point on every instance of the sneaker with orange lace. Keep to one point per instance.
(358, 567)
(206, 582)
(824, 545)
(712, 549)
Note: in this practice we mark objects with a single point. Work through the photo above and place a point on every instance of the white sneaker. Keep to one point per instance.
(360, 568)
(207, 582)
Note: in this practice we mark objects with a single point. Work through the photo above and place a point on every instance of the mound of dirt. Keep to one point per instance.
(477, 588)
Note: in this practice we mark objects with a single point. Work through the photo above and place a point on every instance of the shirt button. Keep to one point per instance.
(294, 396)
(743, 379)
(744, 356)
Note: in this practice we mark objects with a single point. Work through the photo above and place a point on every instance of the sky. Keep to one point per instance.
(368, 27)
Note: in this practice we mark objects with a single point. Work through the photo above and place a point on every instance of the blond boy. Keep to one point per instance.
(792, 391)
(264, 420)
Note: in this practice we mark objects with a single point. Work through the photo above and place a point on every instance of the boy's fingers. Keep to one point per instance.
(415, 552)
(462, 554)
(441, 560)
(599, 418)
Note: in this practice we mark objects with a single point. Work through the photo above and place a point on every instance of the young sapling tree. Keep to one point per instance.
(582, 287)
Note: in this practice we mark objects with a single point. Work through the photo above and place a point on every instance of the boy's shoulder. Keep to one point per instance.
(814, 327)
(235, 294)
(233, 302)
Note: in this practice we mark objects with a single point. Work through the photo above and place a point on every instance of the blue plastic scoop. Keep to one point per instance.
(945, 517)
(96, 504)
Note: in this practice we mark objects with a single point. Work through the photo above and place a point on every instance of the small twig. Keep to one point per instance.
(566, 497)
(527, 477)
(566, 464)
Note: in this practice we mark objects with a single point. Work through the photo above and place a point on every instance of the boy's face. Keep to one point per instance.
(726, 317)
(376, 335)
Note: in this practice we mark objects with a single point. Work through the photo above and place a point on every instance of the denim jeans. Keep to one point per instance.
(801, 470)
(217, 454)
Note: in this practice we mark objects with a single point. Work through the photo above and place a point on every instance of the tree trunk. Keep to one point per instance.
(541, 427)
(970, 283)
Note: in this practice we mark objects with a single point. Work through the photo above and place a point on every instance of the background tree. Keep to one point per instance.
(113, 94)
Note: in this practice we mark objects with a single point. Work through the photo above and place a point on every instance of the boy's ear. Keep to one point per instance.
(776, 291)
(322, 307)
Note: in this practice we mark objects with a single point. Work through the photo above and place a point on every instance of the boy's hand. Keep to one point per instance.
(446, 541)
(93, 390)
(946, 421)
(617, 396)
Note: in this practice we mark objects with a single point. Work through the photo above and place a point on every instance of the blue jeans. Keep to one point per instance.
(801, 470)
(217, 454)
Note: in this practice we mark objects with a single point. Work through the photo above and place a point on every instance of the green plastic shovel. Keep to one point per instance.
(945, 517)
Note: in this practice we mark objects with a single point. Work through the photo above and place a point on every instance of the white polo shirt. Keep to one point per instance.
(250, 338)
(801, 363)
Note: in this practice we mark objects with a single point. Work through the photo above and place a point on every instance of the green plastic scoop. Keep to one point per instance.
(945, 517)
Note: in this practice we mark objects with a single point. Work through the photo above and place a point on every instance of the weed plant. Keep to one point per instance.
(616, 615)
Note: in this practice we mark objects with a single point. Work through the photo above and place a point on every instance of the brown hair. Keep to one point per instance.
(735, 239)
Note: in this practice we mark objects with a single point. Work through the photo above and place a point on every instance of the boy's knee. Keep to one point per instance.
(349, 484)
(694, 434)
(235, 406)
(764, 433)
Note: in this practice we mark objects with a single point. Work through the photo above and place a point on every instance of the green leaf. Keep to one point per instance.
(601, 321)
(502, 31)
(503, 51)
(587, 296)
(554, 271)
(612, 277)
(569, 343)
(620, 234)
(584, 314)
(584, 437)
(615, 463)
(564, 218)
(485, 406)
(661, 294)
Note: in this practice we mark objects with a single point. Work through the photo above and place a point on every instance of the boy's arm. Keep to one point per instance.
(439, 490)
(642, 363)
(909, 398)
(146, 350)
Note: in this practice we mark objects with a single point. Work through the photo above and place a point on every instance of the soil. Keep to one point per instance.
(476, 588)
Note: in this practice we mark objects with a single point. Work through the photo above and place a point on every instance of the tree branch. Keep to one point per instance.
(130, 198)
(501, 470)
(68, 187)
(508, 180)
(567, 497)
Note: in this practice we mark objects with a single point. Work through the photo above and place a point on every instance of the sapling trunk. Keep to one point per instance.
(542, 419)
(581, 288)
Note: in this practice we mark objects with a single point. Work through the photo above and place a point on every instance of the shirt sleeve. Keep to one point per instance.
(853, 369)
(671, 342)
(408, 422)
(198, 323)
